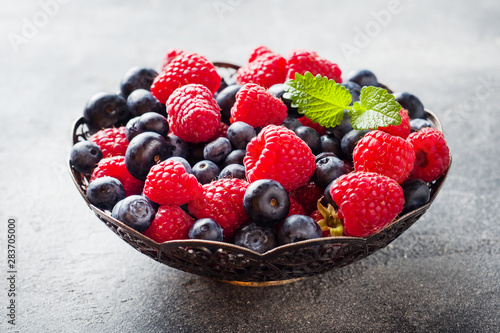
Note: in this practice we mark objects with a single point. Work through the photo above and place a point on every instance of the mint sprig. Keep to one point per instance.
(324, 101)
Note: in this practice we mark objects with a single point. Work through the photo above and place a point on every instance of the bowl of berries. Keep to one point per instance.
(258, 174)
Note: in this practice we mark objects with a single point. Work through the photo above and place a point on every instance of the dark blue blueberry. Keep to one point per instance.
(151, 202)
(134, 211)
(226, 98)
(328, 169)
(278, 90)
(411, 103)
(105, 192)
(354, 89)
(331, 144)
(205, 171)
(144, 151)
(266, 202)
(291, 123)
(181, 148)
(416, 193)
(84, 156)
(240, 134)
(296, 228)
(310, 136)
(256, 238)
(217, 150)
(235, 157)
(206, 229)
(363, 77)
(137, 78)
(233, 171)
(349, 142)
(418, 123)
(195, 152)
(141, 101)
(148, 122)
(327, 198)
(104, 110)
(340, 130)
(182, 161)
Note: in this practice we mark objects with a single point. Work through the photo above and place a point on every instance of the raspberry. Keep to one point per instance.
(308, 196)
(170, 223)
(168, 183)
(171, 55)
(222, 201)
(432, 154)
(328, 221)
(112, 141)
(221, 131)
(279, 154)
(317, 127)
(295, 208)
(186, 68)
(367, 202)
(402, 130)
(193, 113)
(259, 51)
(301, 61)
(257, 107)
(114, 166)
(385, 154)
(266, 70)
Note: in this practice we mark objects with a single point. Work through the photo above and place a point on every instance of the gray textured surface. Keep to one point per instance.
(75, 275)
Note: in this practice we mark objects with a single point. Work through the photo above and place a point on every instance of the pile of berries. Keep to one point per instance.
(186, 154)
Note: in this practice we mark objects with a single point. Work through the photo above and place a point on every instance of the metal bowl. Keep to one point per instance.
(231, 263)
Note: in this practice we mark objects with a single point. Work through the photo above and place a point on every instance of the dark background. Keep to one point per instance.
(75, 275)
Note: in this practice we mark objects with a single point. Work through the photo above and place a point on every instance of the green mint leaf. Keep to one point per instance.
(318, 98)
(376, 108)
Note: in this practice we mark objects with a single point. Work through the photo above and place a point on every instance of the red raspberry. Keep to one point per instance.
(295, 209)
(114, 166)
(402, 130)
(170, 223)
(279, 154)
(328, 221)
(308, 196)
(432, 154)
(221, 131)
(367, 202)
(266, 70)
(308, 122)
(259, 51)
(186, 68)
(171, 55)
(301, 61)
(193, 113)
(168, 183)
(385, 154)
(222, 201)
(112, 141)
(257, 107)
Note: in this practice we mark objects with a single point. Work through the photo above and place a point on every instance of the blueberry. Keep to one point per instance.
(217, 150)
(153, 204)
(418, 123)
(354, 89)
(233, 171)
(84, 156)
(182, 161)
(141, 101)
(206, 229)
(266, 202)
(411, 103)
(296, 228)
(310, 136)
(256, 238)
(235, 157)
(144, 151)
(240, 134)
(195, 152)
(363, 77)
(148, 122)
(328, 169)
(349, 142)
(331, 144)
(226, 98)
(105, 192)
(104, 110)
(416, 193)
(134, 211)
(291, 123)
(278, 90)
(205, 171)
(340, 130)
(137, 78)
(327, 198)
(180, 146)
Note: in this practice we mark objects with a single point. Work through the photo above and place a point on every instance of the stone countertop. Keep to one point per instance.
(74, 275)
